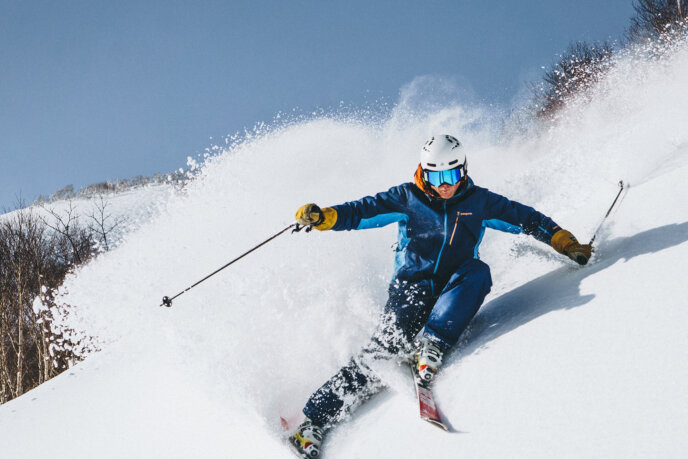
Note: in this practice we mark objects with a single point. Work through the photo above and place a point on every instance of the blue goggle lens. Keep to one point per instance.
(437, 178)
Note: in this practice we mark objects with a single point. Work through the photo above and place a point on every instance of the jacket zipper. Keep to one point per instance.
(439, 256)
(456, 223)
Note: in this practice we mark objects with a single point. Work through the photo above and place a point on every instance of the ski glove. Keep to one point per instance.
(312, 215)
(566, 243)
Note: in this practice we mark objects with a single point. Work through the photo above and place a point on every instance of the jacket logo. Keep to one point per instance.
(465, 213)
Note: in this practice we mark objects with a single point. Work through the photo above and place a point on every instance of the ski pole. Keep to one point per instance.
(594, 235)
(167, 301)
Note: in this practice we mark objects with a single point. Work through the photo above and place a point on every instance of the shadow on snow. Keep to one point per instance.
(560, 289)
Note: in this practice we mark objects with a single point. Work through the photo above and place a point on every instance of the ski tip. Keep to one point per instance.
(285, 424)
(436, 423)
(442, 426)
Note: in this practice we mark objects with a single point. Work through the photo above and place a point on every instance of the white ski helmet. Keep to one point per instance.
(441, 153)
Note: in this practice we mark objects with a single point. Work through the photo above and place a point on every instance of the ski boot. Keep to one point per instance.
(427, 360)
(307, 439)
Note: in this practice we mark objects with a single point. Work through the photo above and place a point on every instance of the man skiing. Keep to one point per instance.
(439, 282)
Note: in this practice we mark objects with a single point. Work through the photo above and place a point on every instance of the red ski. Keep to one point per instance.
(426, 402)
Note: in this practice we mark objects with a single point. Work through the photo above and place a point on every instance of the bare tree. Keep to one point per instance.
(65, 193)
(34, 259)
(655, 18)
(22, 239)
(102, 222)
(79, 240)
(577, 70)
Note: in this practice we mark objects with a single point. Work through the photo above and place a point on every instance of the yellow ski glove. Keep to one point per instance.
(566, 243)
(312, 215)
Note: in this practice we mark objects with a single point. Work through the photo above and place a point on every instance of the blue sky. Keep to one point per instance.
(93, 90)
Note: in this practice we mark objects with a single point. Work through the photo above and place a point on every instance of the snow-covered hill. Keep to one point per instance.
(561, 361)
(120, 213)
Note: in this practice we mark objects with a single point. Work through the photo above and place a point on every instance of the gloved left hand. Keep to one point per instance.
(312, 215)
(566, 243)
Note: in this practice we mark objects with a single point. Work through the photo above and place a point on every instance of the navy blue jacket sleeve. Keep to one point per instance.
(372, 211)
(511, 216)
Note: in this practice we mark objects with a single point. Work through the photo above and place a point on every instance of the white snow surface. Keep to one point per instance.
(561, 361)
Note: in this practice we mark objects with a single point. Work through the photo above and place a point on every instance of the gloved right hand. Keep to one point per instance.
(312, 215)
(566, 243)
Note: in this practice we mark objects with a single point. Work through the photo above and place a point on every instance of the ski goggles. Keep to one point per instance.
(437, 178)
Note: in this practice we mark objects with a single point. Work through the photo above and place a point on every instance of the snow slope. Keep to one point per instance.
(122, 213)
(561, 361)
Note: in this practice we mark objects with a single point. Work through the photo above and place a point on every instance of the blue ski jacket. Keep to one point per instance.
(437, 235)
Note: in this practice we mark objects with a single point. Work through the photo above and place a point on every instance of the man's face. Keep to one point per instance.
(445, 190)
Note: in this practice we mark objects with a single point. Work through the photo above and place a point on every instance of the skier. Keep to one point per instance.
(439, 282)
